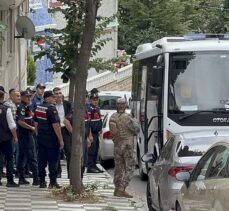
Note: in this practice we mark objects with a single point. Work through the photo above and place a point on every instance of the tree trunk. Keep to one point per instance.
(71, 88)
(80, 89)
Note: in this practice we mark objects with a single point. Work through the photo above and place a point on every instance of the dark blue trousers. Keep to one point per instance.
(93, 152)
(6, 149)
(27, 156)
(48, 156)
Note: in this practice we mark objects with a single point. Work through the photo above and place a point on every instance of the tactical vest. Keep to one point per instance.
(45, 128)
(5, 133)
(95, 119)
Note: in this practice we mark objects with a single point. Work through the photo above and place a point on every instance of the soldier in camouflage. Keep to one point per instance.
(123, 131)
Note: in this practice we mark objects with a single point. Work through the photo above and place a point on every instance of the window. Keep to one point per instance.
(200, 171)
(108, 102)
(219, 167)
(105, 121)
(10, 33)
(200, 93)
(194, 146)
(167, 150)
(136, 80)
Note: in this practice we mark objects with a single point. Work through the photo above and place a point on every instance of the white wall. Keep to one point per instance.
(13, 52)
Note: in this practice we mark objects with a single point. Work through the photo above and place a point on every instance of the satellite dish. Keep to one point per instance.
(25, 27)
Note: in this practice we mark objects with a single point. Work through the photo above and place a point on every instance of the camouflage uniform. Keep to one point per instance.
(123, 140)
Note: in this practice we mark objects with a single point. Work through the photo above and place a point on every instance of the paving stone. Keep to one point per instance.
(32, 198)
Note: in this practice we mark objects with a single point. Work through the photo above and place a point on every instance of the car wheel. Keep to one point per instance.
(142, 175)
(178, 208)
(148, 198)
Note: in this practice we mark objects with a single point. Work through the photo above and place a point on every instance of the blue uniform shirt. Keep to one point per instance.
(95, 119)
(46, 115)
(24, 114)
(37, 100)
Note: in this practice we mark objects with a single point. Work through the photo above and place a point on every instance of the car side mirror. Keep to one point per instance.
(183, 176)
(149, 157)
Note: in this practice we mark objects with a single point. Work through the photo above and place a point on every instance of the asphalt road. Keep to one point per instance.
(137, 187)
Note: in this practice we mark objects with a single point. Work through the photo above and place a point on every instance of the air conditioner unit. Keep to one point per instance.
(9, 4)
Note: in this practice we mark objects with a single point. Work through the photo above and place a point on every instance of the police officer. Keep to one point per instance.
(96, 127)
(38, 97)
(7, 131)
(49, 138)
(26, 129)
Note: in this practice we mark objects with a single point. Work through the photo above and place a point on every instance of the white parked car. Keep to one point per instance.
(107, 100)
(106, 148)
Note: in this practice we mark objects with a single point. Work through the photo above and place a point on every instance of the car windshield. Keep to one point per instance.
(198, 81)
(195, 146)
(108, 102)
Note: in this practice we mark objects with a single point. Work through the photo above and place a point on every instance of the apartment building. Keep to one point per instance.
(109, 51)
(13, 51)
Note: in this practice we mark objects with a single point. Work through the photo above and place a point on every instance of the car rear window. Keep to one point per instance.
(194, 147)
(108, 102)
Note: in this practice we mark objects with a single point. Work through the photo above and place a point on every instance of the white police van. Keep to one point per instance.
(180, 85)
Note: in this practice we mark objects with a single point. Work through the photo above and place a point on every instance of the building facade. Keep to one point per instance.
(108, 8)
(13, 51)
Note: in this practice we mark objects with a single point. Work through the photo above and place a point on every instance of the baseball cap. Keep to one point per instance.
(31, 90)
(40, 85)
(94, 96)
(94, 91)
(48, 94)
(26, 93)
(2, 89)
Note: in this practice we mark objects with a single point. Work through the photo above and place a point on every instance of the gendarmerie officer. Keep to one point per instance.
(96, 127)
(7, 131)
(26, 130)
(49, 138)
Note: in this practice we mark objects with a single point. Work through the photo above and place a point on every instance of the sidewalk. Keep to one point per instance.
(28, 197)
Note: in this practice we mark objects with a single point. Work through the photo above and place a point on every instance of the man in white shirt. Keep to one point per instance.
(63, 108)
(7, 131)
(12, 103)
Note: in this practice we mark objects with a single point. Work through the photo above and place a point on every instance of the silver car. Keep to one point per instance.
(207, 187)
(179, 154)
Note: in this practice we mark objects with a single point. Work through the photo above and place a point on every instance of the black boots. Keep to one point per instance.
(54, 184)
(43, 184)
(36, 181)
(12, 184)
(23, 181)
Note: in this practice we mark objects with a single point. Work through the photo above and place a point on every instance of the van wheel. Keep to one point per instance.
(148, 198)
(142, 175)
